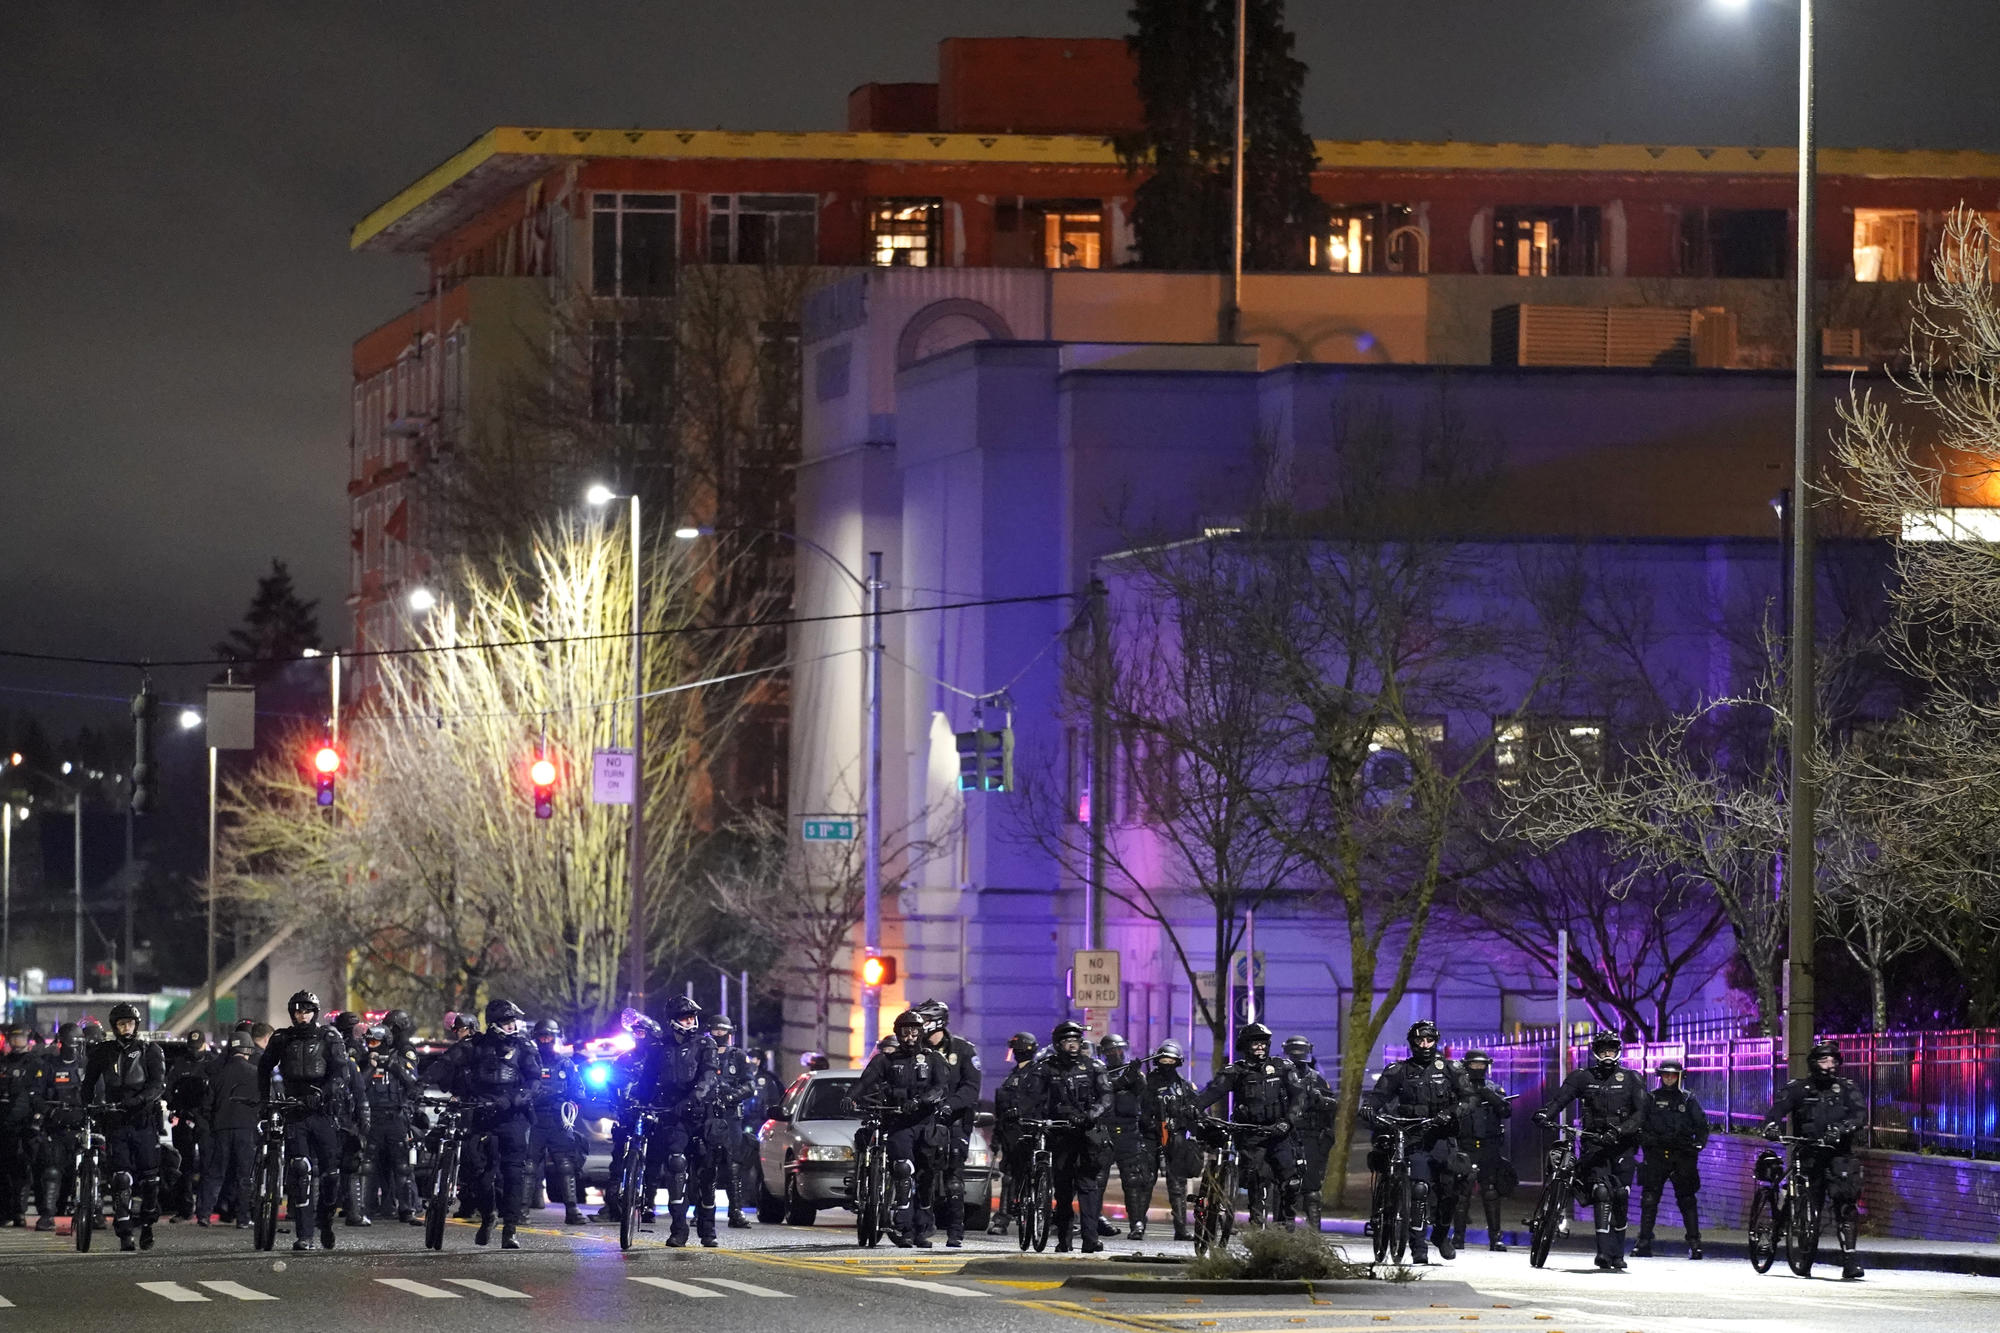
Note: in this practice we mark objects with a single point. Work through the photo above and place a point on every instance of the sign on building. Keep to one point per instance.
(613, 777)
(827, 828)
(1095, 980)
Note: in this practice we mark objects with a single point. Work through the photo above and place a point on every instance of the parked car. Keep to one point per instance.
(806, 1150)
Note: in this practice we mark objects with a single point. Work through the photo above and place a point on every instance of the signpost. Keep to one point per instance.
(613, 777)
(827, 828)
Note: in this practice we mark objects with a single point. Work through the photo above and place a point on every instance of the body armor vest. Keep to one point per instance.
(304, 1059)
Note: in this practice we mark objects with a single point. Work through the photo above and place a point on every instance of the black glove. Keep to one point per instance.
(1546, 1119)
(1772, 1132)
(1439, 1122)
(1280, 1128)
(313, 1097)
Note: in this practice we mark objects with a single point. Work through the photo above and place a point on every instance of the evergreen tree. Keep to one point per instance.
(1186, 80)
(277, 629)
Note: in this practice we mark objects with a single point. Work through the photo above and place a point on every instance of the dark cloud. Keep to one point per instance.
(179, 181)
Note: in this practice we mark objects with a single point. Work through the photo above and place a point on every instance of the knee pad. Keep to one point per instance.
(904, 1168)
(1600, 1194)
(121, 1182)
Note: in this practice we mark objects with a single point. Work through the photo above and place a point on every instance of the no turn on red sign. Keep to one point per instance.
(1095, 982)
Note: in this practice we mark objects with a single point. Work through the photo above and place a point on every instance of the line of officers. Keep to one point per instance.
(179, 1121)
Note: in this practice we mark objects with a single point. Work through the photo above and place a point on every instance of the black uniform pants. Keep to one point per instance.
(1834, 1176)
(914, 1153)
(1134, 1154)
(951, 1181)
(1490, 1178)
(1606, 1169)
(227, 1157)
(312, 1170)
(132, 1148)
(1078, 1157)
(16, 1163)
(385, 1162)
(188, 1136)
(55, 1167)
(553, 1157)
(1271, 1176)
(1661, 1167)
(495, 1175)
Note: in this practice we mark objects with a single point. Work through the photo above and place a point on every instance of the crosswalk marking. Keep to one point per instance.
(416, 1288)
(747, 1288)
(943, 1288)
(684, 1288)
(239, 1291)
(173, 1291)
(6, 1304)
(488, 1288)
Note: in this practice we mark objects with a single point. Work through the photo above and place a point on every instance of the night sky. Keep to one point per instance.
(177, 183)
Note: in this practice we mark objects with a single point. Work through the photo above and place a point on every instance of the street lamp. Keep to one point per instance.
(189, 719)
(871, 913)
(422, 599)
(601, 495)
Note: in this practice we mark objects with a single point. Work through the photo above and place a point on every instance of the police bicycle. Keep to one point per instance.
(1035, 1194)
(869, 1195)
(1782, 1205)
(267, 1179)
(1559, 1187)
(634, 1185)
(446, 1140)
(1391, 1204)
(88, 1211)
(1214, 1199)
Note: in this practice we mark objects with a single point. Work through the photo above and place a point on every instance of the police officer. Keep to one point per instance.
(1827, 1108)
(17, 1076)
(1425, 1087)
(1672, 1133)
(1482, 1144)
(961, 1104)
(1071, 1086)
(1613, 1101)
(762, 1104)
(1021, 1048)
(1313, 1131)
(131, 1075)
(187, 1101)
(679, 1079)
(57, 1098)
(554, 1145)
(722, 1126)
(389, 1084)
(621, 1088)
(1127, 1147)
(312, 1060)
(910, 1084)
(231, 1117)
(495, 1073)
(1265, 1091)
(1164, 1102)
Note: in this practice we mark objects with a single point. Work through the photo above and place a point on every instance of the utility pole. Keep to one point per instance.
(1231, 323)
(1800, 868)
(871, 914)
(1100, 765)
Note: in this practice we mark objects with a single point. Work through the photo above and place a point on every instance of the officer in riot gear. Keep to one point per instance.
(389, 1085)
(56, 1096)
(1672, 1133)
(1482, 1143)
(961, 1104)
(814, 1060)
(1128, 1149)
(722, 1122)
(678, 1079)
(909, 1084)
(1313, 1131)
(1010, 1146)
(555, 1147)
(1264, 1090)
(495, 1074)
(312, 1060)
(765, 1097)
(131, 1075)
(1164, 1099)
(1425, 1087)
(231, 1116)
(1071, 1086)
(1827, 1108)
(1613, 1102)
(187, 1100)
(17, 1137)
(621, 1089)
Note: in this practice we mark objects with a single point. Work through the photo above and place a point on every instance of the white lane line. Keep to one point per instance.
(683, 1288)
(747, 1288)
(942, 1288)
(488, 1288)
(239, 1291)
(173, 1291)
(416, 1288)
(6, 1304)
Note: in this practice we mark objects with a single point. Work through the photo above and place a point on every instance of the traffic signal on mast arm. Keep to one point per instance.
(877, 971)
(145, 706)
(326, 767)
(542, 773)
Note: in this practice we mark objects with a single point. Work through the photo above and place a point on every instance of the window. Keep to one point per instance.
(1544, 242)
(826, 1099)
(631, 372)
(1048, 233)
(778, 377)
(1734, 242)
(1534, 745)
(1367, 238)
(906, 232)
(1072, 238)
(634, 242)
(763, 228)
(357, 437)
(1885, 245)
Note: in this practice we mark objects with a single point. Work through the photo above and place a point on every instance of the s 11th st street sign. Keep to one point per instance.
(826, 829)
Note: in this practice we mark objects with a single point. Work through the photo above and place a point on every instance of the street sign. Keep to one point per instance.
(230, 718)
(1096, 980)
(825, 828)
(613, 777)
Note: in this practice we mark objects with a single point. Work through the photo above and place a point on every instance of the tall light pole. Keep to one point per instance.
(6, 906)
(1800, 868)
(1232, 300)
(635, 852)
(871, 851)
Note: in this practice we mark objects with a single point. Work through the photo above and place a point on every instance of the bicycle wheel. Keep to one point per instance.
(1546, 1221)
(1802, 1237)
(1023, 1230)
(633, 1192)
(1399, 1227)
(89, 1212)
(1042, 1205)
(1762, 1240)
(1378, 1220)
(1227, 1211)
(867, 1210)
(270, 1183)
(439, 1208)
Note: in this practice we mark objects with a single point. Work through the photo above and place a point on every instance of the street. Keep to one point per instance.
(792, 1278)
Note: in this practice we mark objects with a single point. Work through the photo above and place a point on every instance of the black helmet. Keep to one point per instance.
(501, 1014)
(908, 1027)
(122, 1011)
(1111, 1042)
(399, 1022)
(1299, 1048)
(1669, 1066)
(721, 1023)
(814, 1060)
(548, 1027)
(1422, 1028)
(242, 1043)
(1475, 1054)
(304, 999)
(1065, 1030)
(196, 1039)
(1250, 1034)
(936, 1015)
(1023, 1045)
(460, 1022)
(643, 1028)
(93, 1030)
(887, 1043)
(683, 1014)
(346, 1022)
(1819, 1050)
(68, 1034)
(1169, 1050)
(1606, 1047)
(375, 1034)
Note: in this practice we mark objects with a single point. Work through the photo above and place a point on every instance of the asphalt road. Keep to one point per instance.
(779, 1279)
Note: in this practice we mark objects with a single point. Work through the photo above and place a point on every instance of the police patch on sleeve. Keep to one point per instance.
(975, 1060)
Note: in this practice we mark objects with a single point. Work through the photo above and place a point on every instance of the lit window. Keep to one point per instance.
(1542, 242)
(906, 232)
(1522, 748)
(1367, 238)
(1885, 245)
(634, 243)
(763, 228)
(1072, 239)
(1958, 525)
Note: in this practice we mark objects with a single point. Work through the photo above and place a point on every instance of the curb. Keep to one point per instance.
(1190, 1286)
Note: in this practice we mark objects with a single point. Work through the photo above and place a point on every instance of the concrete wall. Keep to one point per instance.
(1902, 1194)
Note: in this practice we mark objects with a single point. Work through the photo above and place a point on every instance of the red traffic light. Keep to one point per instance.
(327, 760)
(543, 772)
(878, 970)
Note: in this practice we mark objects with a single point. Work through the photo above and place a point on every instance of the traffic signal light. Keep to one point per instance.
(986, 760)
(326, 767)
(543, 774)
(878, 970)
(145, 704)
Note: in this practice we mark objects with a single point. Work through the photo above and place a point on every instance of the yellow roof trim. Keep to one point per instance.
(553, 145)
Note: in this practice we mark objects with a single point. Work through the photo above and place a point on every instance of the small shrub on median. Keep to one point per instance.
(1278, 1254)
